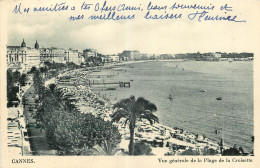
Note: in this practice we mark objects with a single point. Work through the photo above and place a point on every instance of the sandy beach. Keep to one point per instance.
(159, 136)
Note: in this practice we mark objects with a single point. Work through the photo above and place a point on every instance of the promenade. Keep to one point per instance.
(37, 139)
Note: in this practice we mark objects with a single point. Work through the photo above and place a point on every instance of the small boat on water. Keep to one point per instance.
(170, 97)
(216, 131)
(219, 98)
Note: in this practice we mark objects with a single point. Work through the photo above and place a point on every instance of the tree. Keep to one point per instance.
(190, 152)
(23, 79)
(43, 69)
(102, 137)
(231, 152)
(33, 69)
(208, 151)
(9, 87)
(52, 86)
(132, 110)
(38, 83)
(142, 149)
(12, 87)
(71, 132)
(16, 76)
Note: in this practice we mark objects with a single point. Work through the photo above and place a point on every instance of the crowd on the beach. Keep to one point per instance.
(74, 86)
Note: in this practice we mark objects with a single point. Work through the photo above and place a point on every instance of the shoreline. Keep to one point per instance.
(247, 146)
(179, 133)
(227, 144)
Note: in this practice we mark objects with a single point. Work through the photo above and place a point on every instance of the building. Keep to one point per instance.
(58, 55)
(23, 58)
(89, 53)
(15, 55)
(32, 59)
(81, 58)
(113, 58)
(45, 54)
(105, 59)
(130, 55)
(53, 54)
(36, 46)
(217, 55)
(73, 56)
(166, 56)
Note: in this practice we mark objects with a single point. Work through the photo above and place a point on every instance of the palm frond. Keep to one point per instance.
(125, 103)
(118, 114)
(144, 104)
(150, 117)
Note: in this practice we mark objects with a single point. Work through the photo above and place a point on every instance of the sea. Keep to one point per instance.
(205, 97)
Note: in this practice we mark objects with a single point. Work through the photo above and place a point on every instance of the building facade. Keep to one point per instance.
(217, 55)
(32, 59)
(89, 53)
(57, 55)
(73, 56)
(113, 58)
(23, 58)
(130, 55)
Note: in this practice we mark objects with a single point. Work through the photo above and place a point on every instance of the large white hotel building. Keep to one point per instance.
(23, 58)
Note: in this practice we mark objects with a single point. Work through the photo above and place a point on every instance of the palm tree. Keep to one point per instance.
(133, 110)
(106, 148)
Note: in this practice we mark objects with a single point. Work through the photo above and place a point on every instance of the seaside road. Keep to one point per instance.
(37, 139)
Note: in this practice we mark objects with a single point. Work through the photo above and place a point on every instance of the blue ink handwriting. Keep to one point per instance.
(72, 8)
(17, 9)
(202, 15)
(150, 11)
(104, 7)
(152, 7)
(111, 16)
(226, 7)
(123, 7)
(85, 6)
(57, 7)
(73, 18)
(164, 16)
(194, 6)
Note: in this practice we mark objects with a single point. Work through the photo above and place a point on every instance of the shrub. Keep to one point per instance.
(209, 151)
(33, 69)
(231, 152)
(142, 149)
(190, 152)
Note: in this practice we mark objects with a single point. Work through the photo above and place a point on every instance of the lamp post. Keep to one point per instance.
(221, 143)
(222, 137)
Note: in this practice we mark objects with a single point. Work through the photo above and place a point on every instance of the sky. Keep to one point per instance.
(147, 36)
